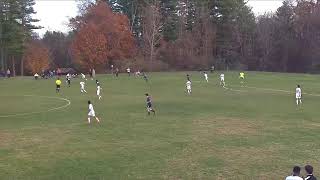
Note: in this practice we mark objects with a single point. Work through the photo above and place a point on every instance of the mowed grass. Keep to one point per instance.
(244, 133)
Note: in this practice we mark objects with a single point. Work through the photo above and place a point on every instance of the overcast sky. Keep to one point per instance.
(54, 14)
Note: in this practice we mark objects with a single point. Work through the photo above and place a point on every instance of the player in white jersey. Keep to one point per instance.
(99, 91)
(206, 76)
(83, 76)
(222, 83)
(188, 84)
(92, 113)
(298, 95)
(82, 90)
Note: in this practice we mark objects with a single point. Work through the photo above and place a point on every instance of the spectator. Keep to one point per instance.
(36, 76)
(117, 72)
(8, 73)
(296, 174)
(309, 171)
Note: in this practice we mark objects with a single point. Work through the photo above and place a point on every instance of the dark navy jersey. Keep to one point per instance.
(149, 103)
(310, 177)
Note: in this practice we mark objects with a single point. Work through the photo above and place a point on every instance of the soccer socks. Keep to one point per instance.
(89, 120)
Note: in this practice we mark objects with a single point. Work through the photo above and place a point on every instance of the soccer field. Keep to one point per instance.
(252, 132)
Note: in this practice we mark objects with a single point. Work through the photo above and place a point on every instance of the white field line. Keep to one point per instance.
(280, 90)
(38, 112)
(234, 89)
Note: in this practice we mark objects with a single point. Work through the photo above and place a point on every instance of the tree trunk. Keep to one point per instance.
(13, 66)
(2, 58)
(22, 66)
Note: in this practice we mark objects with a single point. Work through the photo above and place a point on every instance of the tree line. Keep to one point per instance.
(166, 35)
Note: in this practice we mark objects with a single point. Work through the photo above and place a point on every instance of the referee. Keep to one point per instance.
(58, 85)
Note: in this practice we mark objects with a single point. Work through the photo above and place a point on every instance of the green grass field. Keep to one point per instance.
(253, 132)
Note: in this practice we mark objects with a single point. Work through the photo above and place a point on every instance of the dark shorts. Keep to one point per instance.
(149, 105)
(58, 86)
(69, 81)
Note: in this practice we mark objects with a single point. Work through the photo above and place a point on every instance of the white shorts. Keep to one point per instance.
(188, 88)
(92, 114)
(222, 79)
(298, 96)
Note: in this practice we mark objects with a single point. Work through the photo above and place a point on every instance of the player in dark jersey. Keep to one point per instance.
(149, 105)
(145, 77)
(188, 77)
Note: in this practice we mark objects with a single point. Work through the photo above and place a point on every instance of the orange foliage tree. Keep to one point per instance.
(89, 48)
(36, 57)
(101, 36)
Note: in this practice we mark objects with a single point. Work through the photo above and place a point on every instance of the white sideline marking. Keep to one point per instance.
(280, 90)
(234, 89)
(38, 112)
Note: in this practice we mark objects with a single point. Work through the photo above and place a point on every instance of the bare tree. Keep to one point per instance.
(151, 32)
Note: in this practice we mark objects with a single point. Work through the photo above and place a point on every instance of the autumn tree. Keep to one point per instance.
(89, 48)
(36, 57)
(110, 30)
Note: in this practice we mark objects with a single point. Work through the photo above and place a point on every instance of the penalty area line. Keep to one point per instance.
(68, 103)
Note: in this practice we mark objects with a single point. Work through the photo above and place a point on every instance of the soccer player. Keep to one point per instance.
(83, 76)
(188, 77)
(68, 77)
(149, 105)
(222, 83)
(92, 113)
(188, 84)
(145, 76)
(206, 76)
(241, 77)
(129, 71)
(58, 85)
(309, 171)
(295, 175)
(98, 92)
(82, 90)
(298, 95)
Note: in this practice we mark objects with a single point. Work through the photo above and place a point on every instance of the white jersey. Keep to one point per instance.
(294, 178)
(98, 90)
(298, 92)
(83, 76)
(82, 85)
(222, 77)
(206, 75)
(91, 110)
(128, 70)
(188, 84)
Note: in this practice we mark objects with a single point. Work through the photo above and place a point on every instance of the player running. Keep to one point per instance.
(149, 105)
(83, 76)
(58, 85)
(92, 113)
(206, 76)
(98, 92)
(82, 89)
(145, 77)
(298, 95)
(188, 85)
(68, 78)
(222, 83)
(241, 77)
